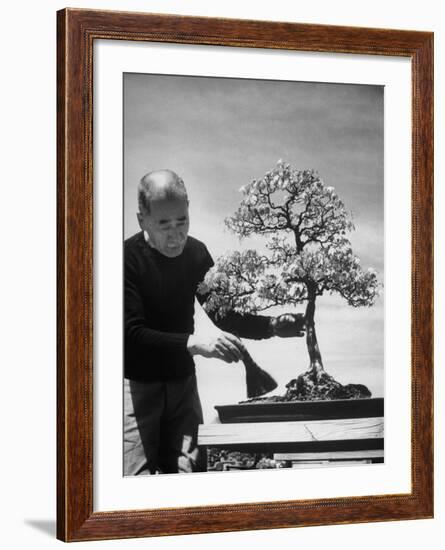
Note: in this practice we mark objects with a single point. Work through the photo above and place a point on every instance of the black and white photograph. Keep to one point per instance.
(253, 274)
(224, 274)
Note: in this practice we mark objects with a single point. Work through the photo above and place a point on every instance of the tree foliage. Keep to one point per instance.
(308, 252)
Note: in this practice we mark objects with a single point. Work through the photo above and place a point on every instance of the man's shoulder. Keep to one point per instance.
(133, 241)
(196, 248)
(132, 246)
(197, 255)
(195, 244)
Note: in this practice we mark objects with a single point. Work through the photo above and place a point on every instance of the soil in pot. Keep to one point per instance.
(315, 385)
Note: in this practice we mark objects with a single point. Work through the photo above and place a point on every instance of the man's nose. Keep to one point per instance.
(175, 233)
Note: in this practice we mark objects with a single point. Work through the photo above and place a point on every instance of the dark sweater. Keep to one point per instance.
(159, 308)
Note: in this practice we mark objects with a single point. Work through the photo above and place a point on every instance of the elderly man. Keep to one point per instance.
(163, 267)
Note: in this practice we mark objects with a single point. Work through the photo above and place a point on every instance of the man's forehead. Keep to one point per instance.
(168, 206)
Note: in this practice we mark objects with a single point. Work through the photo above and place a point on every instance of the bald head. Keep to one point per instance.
(160, 185)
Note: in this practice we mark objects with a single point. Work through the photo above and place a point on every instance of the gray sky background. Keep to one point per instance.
(219, 134)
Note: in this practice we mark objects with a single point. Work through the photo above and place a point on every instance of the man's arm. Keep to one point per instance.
(253, 327)
(144, 339)
(257, 327)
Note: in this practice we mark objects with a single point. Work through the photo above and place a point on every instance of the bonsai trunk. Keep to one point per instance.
(316, 364)
(315, 384)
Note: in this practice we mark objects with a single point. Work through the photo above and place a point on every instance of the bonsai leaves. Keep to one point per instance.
(294, 201)
(305, 223)
(234, 284)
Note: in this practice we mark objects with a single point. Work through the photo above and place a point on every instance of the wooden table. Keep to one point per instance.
(302, 441)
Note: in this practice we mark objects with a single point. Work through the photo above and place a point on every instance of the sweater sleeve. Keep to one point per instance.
(138, 335)
(243, 325)
(246, 325)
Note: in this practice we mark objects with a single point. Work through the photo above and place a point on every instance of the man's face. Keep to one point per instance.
(167, 225)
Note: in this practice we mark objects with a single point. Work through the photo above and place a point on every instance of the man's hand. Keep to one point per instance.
(288, 325)
(220, 345)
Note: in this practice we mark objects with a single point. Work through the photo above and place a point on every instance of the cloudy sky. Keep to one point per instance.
(218, 134)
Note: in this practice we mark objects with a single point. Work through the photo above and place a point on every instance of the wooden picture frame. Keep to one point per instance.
(77, 31)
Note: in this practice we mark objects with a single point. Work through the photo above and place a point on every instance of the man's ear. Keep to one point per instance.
(140, 220)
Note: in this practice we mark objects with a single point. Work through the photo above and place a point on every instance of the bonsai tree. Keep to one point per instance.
(307, 254)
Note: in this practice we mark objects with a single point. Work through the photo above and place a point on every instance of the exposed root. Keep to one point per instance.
(316, 385)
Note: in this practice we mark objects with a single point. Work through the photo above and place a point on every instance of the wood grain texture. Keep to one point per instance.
(76, 32)
(61, 304)
(293, 432)
(290, 446)
(334, 455)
